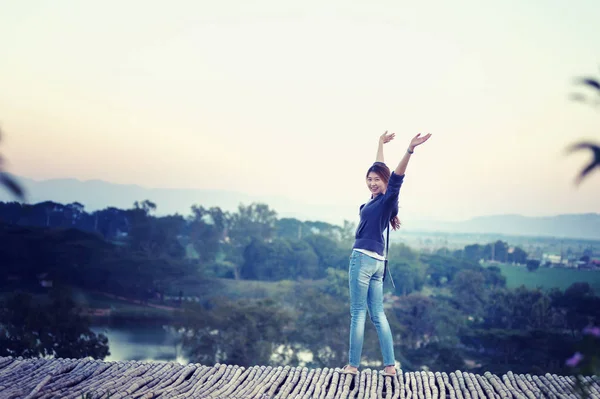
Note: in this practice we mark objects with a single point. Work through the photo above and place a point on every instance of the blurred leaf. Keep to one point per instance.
(578, 97)
(595, 162)
(592, 83)
(11, 184)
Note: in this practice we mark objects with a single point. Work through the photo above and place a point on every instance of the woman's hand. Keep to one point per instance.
(386, 137)
(418, 140)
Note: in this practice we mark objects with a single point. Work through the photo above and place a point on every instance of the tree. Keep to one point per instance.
(244, 333)
(348, 232)
(579, 305)
(533, 265)
(255, 221)
(152, 236)
(10, 212)
(278, 260)
(290, 228)
(493, 276)
(304, 262)
(56, 328)
(496, 251)
(146, 206)
(264, 261)
(413, 313)
(73, 214)
(408, 272)
(321, 325)
(441, 269)
(111, 221)
(337, 284)
(330, 252)
(468, 288)
(473, 252)
(517, 255)
(207, 231)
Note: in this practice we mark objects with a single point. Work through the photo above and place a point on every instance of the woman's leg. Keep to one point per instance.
(359, 275)
(375, 304)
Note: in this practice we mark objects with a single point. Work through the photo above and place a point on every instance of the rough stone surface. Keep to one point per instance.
(87, 378)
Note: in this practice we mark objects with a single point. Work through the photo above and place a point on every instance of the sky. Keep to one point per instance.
(288, 98)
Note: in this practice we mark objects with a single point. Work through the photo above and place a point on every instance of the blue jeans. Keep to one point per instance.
(366, 292)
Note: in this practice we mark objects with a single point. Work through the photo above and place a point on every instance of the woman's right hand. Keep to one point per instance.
(386, 137)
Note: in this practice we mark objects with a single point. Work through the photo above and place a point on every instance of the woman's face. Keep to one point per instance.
(375, 184)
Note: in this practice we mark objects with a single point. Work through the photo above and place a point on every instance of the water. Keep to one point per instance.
(143, 343)
(156, 343)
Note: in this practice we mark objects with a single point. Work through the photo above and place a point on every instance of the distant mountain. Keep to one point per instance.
(97, 194)
(585, 225)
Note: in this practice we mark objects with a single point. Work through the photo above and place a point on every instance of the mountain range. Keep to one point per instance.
(97, 194)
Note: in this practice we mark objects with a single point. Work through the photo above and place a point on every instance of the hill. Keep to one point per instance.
(97, 194)
(585, 226)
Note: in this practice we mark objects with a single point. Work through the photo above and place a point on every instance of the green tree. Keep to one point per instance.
(56, 328)
(493, 276)
(533, 265)
(408, 272)
(270, 261)
(347, 233)
(579, 305)
(290, 228)
(207, 231)
(255, 221)
(496, 251)
(414, 316)
(337, 284)
(244, 333)
(304, 262)
(330, 252)
(517, 255)
(468, 289)
(441, 269)
(473, 252)
(321, 325)
(152, 236)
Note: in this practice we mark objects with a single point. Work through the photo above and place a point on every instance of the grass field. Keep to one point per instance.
(243, 289)
(547, 278)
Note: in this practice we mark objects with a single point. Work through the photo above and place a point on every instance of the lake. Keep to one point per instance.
(156, 343)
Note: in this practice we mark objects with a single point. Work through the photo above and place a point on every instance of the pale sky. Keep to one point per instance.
(289, 98)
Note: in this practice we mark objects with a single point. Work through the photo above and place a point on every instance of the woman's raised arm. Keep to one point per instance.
(384, 138)
(416, 141)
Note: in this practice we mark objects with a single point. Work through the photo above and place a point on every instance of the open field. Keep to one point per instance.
(548, 278)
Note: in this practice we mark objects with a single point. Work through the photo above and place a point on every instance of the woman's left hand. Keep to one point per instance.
(418, 140)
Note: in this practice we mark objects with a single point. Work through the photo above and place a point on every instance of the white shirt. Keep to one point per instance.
(370, 253)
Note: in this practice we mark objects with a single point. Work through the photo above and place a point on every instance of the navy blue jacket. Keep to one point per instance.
(375, 216)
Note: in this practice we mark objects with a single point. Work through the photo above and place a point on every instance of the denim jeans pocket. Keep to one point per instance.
(366, 263)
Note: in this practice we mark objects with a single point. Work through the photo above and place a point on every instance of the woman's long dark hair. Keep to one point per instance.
(384, 174)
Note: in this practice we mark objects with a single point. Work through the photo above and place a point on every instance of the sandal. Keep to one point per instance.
(385, 373)
(345, 371)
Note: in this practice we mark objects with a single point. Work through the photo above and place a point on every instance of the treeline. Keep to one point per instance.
(251, 243)
(132, 251)
(447, 312)
(477, 324)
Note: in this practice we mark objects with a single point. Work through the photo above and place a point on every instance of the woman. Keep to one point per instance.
(367, 260)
